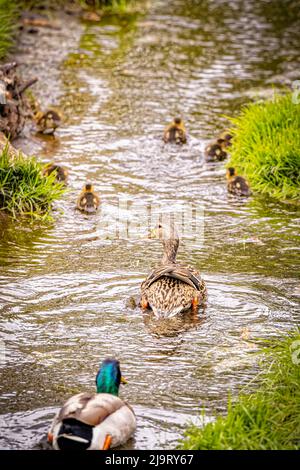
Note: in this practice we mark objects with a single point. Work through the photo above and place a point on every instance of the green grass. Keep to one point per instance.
(266, 147)
(266, 419)
(23, 188)
(8, 14)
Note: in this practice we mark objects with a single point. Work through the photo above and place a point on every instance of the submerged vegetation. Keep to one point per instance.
(266, 146)
(23, 188)
(266, 419)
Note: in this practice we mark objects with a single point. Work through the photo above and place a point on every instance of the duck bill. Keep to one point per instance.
(123, 381)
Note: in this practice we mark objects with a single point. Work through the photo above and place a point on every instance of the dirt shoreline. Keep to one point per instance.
(41, 54)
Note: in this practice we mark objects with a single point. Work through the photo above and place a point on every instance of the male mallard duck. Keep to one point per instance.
(214, 152)
(95, 421)
(61, 172)
(171, 288)
(88, 200)
(47, 122)
(175, 132)
(237, 184)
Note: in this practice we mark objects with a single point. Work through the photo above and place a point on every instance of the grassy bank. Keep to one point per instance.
(266, 419)
(266, 147)
(23, 188)
(8, 15)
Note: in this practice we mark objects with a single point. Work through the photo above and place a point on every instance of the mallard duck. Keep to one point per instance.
(61, 172)
(88, 200)
(175, 132)
(95, 421)
(47, 122)
(237, 184)
(171, 288)
(214, 152)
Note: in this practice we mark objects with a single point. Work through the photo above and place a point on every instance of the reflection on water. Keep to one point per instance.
(65, 286)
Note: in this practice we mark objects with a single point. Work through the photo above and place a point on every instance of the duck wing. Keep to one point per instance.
(90, 408)
(183, 273)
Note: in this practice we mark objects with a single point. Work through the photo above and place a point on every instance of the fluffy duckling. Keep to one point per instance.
(61, 172)
(236, 184)
(88, 201)
(214, 152)
(175, 133)
(95, 421)
(47, 122)
(171, 288)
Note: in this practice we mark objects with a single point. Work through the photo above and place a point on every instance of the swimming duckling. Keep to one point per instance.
(226, 137)
(47, 122)
(175, 133)
(88, 201)
(95, 421)
(61, 172)
(171, 288)
(237, 184)
(214, 153)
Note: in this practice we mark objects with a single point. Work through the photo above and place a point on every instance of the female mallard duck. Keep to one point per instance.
(88, 200)
(237, 184)
(95, 421)
(214, 152)
(171, 288)
(175, 133)
(47, 122)
(61, 172)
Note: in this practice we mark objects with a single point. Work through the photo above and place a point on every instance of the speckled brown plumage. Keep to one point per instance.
(172, 288)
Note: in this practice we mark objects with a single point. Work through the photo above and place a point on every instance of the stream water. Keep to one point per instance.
(65, 285)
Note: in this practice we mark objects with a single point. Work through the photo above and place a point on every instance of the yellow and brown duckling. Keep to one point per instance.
(236, 184)
(171, 288)
(214, 152)
(88, 201)
(61, 172)
(47, 122)
(175, 133)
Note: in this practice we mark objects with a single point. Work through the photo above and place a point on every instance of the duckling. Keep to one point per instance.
(171, 288)
(175, 132)
(214, 152)
(47, 122)
(61, 172)
(95, 421)
(226, 137)
(237, 184)
(88, 201)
